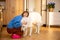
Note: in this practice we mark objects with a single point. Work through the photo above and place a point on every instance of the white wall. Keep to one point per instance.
(56, 18)
(44, 12)
(31, 5)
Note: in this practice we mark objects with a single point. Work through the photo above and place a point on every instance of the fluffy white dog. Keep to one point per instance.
(34, 19)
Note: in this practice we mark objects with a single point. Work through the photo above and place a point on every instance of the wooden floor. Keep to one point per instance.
(45, 34)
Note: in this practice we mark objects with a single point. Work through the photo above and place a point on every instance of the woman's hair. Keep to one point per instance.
(25, 12)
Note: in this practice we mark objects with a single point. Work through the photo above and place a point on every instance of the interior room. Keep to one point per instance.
(48, 9)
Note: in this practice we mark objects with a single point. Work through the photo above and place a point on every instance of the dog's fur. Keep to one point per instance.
(34, 19)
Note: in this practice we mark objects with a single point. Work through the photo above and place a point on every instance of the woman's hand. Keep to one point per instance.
(24, 22)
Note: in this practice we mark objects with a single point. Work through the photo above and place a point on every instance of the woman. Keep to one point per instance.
(14, 26)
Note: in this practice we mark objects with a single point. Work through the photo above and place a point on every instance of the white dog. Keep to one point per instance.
(33, 19)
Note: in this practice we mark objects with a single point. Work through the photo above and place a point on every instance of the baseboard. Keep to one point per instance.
(4, 25)
(52, 26)
(55, 26)
(44, 25)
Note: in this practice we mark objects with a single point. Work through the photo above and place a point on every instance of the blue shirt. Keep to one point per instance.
(15, 22)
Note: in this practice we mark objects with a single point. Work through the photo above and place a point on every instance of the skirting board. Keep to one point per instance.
(52, 26)
(4, 25)
(44, 25)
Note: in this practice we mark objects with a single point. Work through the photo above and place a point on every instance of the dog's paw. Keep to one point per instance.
(36, 32)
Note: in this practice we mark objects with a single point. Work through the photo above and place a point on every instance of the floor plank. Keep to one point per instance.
(46, 33)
